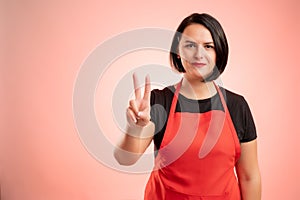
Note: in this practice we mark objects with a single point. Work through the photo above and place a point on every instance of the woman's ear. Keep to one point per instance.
(177, 52)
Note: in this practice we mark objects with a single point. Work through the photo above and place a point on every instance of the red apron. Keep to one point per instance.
(197, 157)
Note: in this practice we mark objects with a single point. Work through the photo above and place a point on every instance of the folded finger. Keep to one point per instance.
(133, 106)
(131, 116)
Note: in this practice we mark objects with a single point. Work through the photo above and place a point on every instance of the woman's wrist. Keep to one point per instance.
(138, 131)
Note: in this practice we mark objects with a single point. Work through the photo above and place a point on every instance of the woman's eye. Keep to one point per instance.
(209, 46)
(190, 45)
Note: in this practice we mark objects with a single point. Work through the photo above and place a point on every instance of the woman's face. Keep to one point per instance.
(197, 52)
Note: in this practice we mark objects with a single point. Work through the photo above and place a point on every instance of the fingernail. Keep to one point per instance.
(139, 114)
(134, 119)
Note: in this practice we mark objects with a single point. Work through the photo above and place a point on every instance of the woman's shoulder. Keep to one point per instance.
(241, 115)
(233, 99)
(163, 91)
(160, 96)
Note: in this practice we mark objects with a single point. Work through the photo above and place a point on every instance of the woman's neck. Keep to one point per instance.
(197, 89)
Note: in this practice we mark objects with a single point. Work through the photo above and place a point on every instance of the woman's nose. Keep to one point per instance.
(200, 52)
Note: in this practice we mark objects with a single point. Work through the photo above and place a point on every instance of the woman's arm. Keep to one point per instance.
(133, 144)
(248, 172)
(140, 129)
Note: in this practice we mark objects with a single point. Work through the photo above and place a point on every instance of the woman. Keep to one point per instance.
(203, 133)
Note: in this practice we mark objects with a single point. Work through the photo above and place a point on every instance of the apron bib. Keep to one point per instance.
(197, 157)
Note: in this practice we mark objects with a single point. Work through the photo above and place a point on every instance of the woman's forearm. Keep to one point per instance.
(133, 144)
(248, 172)
(251, 188)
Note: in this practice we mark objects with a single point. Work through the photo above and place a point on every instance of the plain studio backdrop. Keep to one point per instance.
(43, 46)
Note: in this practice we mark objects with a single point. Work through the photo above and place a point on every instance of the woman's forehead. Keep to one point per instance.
(196, 33)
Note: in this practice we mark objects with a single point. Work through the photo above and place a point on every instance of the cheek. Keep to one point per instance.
(186, 55)
(213, 57)
(186, 65)
(184, 62)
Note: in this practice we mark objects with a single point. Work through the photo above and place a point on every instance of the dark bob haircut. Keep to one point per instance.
(218, 36)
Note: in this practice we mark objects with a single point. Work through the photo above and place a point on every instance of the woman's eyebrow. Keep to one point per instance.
(189, 41)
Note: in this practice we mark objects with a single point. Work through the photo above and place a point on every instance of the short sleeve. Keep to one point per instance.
(158, 111)
(241, 117)
(249, 132)
(160, 102)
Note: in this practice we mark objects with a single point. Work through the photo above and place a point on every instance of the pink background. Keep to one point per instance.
(43, 45)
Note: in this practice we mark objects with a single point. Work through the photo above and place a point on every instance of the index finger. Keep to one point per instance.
(147, 88)
(137, 89)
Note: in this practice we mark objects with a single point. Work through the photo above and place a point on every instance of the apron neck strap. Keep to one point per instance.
(174, 101)
(221, 97)
(176, 94)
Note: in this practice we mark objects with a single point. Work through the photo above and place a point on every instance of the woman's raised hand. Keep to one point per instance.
(138, 111)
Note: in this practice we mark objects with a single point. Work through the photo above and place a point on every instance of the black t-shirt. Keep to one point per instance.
(238, 108)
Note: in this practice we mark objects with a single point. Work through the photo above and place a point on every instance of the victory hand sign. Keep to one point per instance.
(138, 112)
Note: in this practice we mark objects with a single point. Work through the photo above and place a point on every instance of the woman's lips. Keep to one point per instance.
(199, 65)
